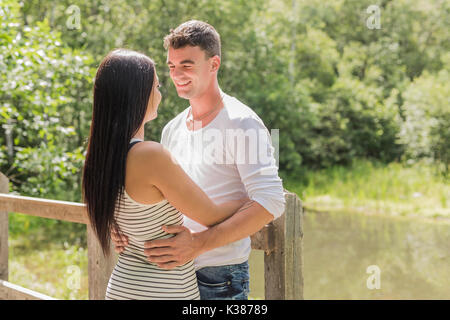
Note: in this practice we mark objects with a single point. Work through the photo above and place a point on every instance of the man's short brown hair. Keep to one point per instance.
(194, 33)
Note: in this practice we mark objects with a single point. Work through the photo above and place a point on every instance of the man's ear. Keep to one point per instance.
(215, 63)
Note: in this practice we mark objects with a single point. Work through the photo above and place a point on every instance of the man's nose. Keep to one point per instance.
(176, 73)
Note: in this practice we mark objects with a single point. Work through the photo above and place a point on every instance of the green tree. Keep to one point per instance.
(45, 94)
(425, 128)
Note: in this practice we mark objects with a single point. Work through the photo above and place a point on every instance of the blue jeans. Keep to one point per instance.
(229, 282)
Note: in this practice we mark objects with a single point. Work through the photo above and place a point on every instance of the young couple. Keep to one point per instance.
(180, 224)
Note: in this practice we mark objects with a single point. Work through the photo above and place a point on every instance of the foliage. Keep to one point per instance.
(334, 88)
(425, 129)
(372, 187)
(57, 270)
(45, 94)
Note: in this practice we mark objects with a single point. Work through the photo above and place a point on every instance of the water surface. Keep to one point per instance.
(413, 257)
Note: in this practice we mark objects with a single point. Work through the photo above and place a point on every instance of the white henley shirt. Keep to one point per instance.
(229, 158)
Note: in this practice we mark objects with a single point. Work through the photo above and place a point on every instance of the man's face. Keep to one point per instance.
(190, 70)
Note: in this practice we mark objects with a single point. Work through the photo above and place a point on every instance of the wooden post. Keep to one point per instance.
(99, 266)
(284, 264)
(4, 188)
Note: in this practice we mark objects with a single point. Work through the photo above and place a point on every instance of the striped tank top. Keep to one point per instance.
(133, 276)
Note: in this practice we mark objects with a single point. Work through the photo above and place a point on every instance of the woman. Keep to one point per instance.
(135, 185)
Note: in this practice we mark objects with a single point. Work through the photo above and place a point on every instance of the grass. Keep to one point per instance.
(395, 190)
(50, 258)
(59, 271)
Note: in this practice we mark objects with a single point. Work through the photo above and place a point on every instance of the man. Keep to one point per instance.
(222, 164)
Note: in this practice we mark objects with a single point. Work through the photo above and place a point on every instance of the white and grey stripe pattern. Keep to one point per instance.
(133, 276)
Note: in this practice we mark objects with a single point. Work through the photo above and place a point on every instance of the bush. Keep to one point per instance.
(45, 92)
(425, 126)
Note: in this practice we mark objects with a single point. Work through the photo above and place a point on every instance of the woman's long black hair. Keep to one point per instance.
(122, 89)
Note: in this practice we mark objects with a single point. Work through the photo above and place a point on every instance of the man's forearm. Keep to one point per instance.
(249, 219)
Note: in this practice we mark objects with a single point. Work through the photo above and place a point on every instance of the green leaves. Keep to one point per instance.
(312, 69)
(425, 129)
(44, 86)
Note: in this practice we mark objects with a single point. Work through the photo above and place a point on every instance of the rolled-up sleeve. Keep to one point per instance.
(251, 145)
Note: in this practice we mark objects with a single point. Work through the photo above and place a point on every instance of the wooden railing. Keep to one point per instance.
(281, 241)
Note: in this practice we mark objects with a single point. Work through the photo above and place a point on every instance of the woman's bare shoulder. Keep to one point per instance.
(149, 155)
(145, 149)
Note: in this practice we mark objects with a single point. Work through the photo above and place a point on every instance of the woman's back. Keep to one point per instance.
(134, 277)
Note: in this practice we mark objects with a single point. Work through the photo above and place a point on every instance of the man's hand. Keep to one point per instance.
(175, 251)
(119, 239)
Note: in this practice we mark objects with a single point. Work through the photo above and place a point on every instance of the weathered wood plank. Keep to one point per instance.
(9, 291)
(51, 209)
(283, 266)
(274, 268)
(293, 249)
(4, 188)
(262, 240)
(76, 212)
(99, 266)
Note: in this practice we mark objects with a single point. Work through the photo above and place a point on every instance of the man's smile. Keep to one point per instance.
(182, 84)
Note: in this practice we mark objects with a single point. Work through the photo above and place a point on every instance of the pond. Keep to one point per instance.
(357, 256)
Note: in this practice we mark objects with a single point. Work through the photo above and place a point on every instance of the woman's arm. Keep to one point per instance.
(161, 170)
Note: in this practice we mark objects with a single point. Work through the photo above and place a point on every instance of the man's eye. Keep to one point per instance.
(159, 85)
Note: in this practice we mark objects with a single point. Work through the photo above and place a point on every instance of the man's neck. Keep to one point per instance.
(206, 102)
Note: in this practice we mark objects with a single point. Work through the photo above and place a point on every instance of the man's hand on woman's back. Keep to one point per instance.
(119, 240)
